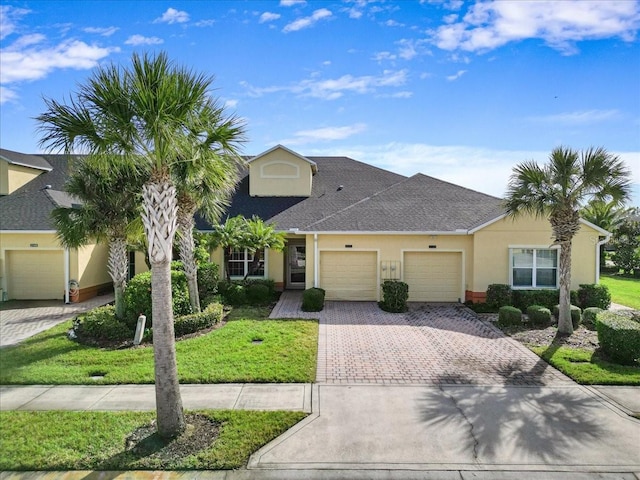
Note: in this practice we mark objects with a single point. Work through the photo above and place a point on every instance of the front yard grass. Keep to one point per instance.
(242, 351)
(57, 440)
(624, 290)
(587, 367)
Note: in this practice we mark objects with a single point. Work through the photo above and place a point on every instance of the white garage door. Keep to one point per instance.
(433, 276)
(35, 275)
(349, 275)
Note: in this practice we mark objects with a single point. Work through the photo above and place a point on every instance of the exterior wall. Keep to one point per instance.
(12, 177)
(280, 174)
(93, 275)
(491, 245)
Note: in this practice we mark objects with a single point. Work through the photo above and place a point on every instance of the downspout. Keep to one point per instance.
(598, 244)
(66, 275)
(316, 260)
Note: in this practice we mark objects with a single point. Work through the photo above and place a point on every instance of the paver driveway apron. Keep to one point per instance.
(430, 344)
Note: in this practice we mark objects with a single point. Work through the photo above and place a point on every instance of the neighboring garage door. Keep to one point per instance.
(349, 275)
(35, 275)
(433, 276)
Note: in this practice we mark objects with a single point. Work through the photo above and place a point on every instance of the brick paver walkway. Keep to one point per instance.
(430, 344)
(31, 317)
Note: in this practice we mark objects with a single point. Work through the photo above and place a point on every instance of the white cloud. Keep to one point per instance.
(456, 75)
(27, 59)
(393, 23)
(231, 103)
(104, 31)
(269, 17)
(581, 117)
(291, 3)
(7, 95)
(324, 134)
(173, 16)
(142, 40)
(9, 17)
(205, 23)
(306, 22)
(492, 24)
(331, 89)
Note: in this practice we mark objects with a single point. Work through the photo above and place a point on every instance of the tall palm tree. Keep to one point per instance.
(109, 203)
(147, 111)
(557, 191)
(258, 237)
(205, 180)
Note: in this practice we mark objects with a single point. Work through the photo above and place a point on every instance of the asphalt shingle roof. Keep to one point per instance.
(26, 160)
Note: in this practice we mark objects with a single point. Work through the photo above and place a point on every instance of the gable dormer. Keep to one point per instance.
(18, 169)
(280, 172)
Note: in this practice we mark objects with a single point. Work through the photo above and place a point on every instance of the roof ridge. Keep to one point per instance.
(457, 186)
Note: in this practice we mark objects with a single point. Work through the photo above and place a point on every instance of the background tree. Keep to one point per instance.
(607, 215)
(626, 243)
(258, 237)
(228, 236)
(107, 204)
(205, 180)
(557, 191)
(148, 110)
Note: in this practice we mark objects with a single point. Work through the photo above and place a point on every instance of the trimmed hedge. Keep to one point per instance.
(589, 316)
(619, 337)
(548, 298)
(498, 295)
(255, 291)
(592, 295)
(394, 296)
(198, 321)
(539, 315)
(207, 279)
(101, 324)
(258, 294)
(509, 315)
(137, 297)
(313, 300)
(576, 315)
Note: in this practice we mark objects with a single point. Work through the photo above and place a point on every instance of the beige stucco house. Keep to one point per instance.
(349, 227)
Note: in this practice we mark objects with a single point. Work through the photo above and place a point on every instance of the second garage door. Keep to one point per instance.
(349, 275)
(433, 276)
(35, 275)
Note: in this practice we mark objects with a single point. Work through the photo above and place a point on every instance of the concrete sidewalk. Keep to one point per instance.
(229, 396)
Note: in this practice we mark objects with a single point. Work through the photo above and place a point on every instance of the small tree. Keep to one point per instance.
(607, 215)
(626, 242)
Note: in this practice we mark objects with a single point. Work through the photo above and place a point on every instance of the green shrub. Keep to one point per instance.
(498, 295)
(234, 294)
(207, 279)
(589, 316)
(101, 324)
(258, 294)
(137, 297)
(198, 321)
(509, 315)
(394, 296)
(267, 282)
(313, 300)
(619, 337)
(481, 307)
(548, 298)
(592, 295)
(539, 315)
(177, 265)
(576, 315)
(209, 299)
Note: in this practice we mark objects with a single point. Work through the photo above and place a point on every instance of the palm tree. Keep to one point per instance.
(109, 203)
(228, 236)
(258, 237)
(147, 111)
(607, 215)
(205, 180)
(557, 191)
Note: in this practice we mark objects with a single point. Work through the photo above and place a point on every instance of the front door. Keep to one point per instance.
(296, 266)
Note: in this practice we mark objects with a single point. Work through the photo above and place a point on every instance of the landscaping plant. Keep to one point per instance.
(394, 296)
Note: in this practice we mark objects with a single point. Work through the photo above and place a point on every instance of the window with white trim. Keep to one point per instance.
(240, 262)
(533, 267)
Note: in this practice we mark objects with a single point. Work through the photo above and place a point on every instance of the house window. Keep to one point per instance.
(240, 262)
(534, 267)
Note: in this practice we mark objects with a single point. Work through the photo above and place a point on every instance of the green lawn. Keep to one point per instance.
(624, 290)
(588, 368)
(287, 353)
(96, 440)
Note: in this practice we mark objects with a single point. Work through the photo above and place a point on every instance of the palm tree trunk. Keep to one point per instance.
(186, 247)
(117, 266)
(160, 209)
(564, 317)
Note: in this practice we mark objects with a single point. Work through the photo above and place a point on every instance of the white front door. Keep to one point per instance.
(296, 266)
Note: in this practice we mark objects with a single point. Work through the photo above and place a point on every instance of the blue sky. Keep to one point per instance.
(462, 91)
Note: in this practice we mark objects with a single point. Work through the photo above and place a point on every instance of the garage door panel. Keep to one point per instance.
(35, 275)
(433, 277)
(349, 275)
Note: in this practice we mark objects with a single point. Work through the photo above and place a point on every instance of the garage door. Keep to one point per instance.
(349, 275)
(433, 276)
(35, 275)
